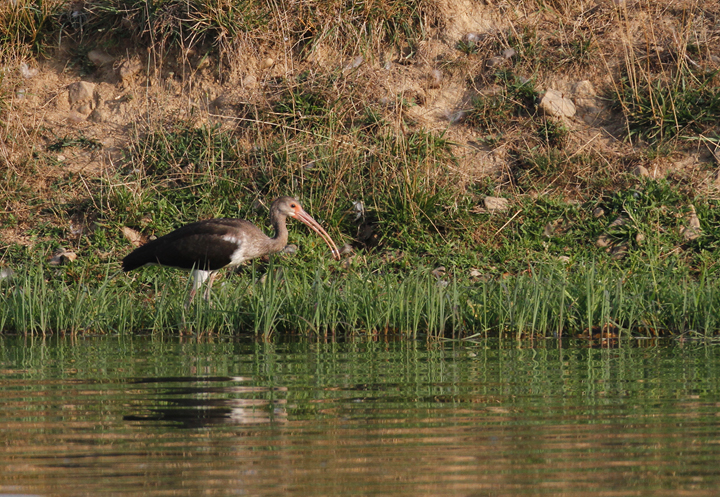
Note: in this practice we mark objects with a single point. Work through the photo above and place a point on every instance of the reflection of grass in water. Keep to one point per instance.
(541, 301)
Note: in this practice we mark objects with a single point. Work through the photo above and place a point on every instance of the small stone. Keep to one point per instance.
(603, 241)
(100, 58)
(692, 231)
(508, 53)
(6, 273)
(598, 212)
(435, 78)
(249, 81)
(619, 221)
(584, 89)
(641, 172)
(62, 256)
(129, 69)
(619, 251)
(496, 204)
(290, 249)
(27, 72)
(564, 258)
(549, 229)
(354, 64)
(359, 208)
(639, 238)
(267, 63)
(61, 158)
(75, 117)
(136, 238)
(493, 62)
(553, 103)
(80, 93)
(84, 109)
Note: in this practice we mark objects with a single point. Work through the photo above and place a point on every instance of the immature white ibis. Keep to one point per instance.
(207, 246)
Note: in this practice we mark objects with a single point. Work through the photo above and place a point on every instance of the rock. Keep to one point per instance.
(6, 273)
(493, 62)
(84, 109)
(249, 81)
(603, 241)
(549, 229)
(100, 58)
(359, 209)
(62, 256)
(692, 231)
(554, 228)
(588, 109)
(81, 96)
(129, 69)
(493, 204)
(435, 78)
(619, 251)
(267, 63)
(290, 249)
(97, 116)
(28, 72)
(619, 221)
(583, 89)
(354, 64)
(553, 103)
(134, 237)
(641, 172)
(508, 53)
(639, 238)
(598, 212)
(75, 117)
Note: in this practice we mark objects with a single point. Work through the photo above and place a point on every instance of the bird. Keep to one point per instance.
(205, 247)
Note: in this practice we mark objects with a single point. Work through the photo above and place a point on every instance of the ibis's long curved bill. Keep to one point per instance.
(306, 218)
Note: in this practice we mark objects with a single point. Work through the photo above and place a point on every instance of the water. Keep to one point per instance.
(173, 416)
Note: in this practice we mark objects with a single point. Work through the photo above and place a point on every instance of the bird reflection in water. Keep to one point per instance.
(204, 403)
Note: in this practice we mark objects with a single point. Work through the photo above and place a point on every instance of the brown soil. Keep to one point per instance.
(133, 92)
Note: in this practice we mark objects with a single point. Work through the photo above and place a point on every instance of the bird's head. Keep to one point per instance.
(289, 207)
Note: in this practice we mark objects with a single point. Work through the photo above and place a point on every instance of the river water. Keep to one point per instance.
(223, 416)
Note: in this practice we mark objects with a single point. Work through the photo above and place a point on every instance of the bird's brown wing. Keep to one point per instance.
(205, 245)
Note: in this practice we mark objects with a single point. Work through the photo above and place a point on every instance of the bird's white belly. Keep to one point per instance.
(245, 249)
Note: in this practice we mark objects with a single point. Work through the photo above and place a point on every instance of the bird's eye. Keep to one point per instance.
(292, 206)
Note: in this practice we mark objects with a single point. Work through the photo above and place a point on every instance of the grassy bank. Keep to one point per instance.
(392, 126)
(591, 300)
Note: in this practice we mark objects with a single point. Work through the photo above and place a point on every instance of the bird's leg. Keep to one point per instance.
(190, 298)
(199, 278)
(209, 285)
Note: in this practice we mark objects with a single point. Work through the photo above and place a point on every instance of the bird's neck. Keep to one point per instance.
(280, 238)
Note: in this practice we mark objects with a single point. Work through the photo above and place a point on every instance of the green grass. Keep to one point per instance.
(336, 139)
(661, 108)
(544, 300)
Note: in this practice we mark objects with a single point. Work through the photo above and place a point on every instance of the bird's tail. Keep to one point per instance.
(138, 257)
